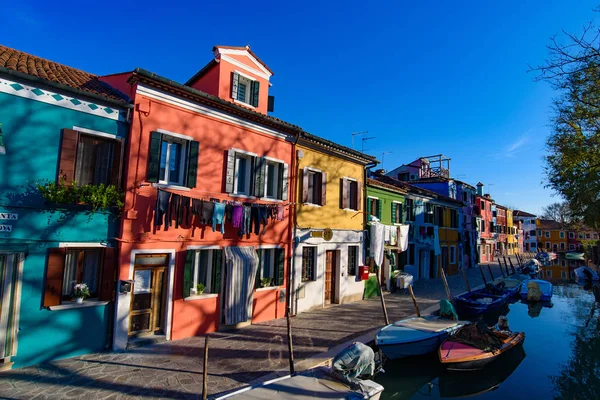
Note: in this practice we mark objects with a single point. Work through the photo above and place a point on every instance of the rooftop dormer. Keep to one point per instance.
(236, 74)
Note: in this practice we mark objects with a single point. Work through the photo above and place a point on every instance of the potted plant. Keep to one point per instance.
(199, 288)
(265, 282)
(80, 292)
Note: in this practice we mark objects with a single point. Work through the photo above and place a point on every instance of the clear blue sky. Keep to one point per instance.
(424, 77)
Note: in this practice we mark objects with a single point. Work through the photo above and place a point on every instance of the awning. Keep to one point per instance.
(575, 256)
(241, 265)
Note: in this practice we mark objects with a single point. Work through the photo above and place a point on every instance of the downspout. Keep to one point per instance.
(292, 231)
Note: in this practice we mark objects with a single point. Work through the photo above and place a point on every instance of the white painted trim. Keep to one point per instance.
(65, 102)
(96, 133)
(350, 179)
(201, 247)
(274, 160)
(245, 76)
(314, 170)
(372, 197)
(171, 187)
(72, 305)
(242, 103)
(262, 72)
(82, 244)
(201, 296)
(249, 153)
(396, 202)
(188, 105)
(263, 289)
(174, 134)
(123, 300)
(243, 196)
(247, 54)
(269, 246)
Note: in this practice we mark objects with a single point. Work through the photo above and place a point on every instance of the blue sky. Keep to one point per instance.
(423, 77)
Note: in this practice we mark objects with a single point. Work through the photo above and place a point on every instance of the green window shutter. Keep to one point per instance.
(368, 206)
(393, 213)
(154, 157)
(279, 267)
(259, 177)
(379, 207)
(192, 170)
(235, 80)
(255, 90)
(188, 270)
(215, 285)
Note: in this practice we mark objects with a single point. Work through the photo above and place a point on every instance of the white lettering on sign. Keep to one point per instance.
(5, 228)
(9, 216)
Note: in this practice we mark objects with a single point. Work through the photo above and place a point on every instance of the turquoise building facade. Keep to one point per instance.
(43, 246)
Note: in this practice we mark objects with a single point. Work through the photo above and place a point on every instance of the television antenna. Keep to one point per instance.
(357, 134)
(383, 156)
(363, 142)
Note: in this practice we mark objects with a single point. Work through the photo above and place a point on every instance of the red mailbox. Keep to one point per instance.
(363, 272)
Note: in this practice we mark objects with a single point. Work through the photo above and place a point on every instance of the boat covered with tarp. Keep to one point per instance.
(536, 290)
(417, 336)
(586, 273)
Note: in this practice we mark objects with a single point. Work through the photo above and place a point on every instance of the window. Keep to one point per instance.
(452, 254)
(352, 260)
(562, 246)
(547, 233)
(571, 247)
(532, 233)
(453, 219)
(548, 245)
(482, 226)
(373, 207)
(563, 274)
(491, 226)
(245, 89)
(67, 266)
(313, 189)
(396, 212)
(482, 205)
(563, 263)
(202, 272)
(532, 222)
(429, 217)
(562, 235)
(403, 176)
(411, 253)
(580, 236)
(548, 273)
(464, 196)
(409, 209)
(533, 245)
(90, 159)
(588, 236)
(270, 267)
(250, 175)
(351, 195)
(571, 235)
(554, 247)
(308, 263)
(172, 160)
(439, 216)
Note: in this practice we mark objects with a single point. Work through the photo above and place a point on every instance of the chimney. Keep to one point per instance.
(379, 172)
(479, 189)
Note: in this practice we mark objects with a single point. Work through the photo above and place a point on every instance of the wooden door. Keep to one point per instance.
(147, 300)
(10, 283)
(330, 276)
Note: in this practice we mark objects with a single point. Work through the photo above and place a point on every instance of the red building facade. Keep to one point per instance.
(483, 211)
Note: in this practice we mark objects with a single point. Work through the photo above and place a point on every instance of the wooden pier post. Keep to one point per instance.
(464, 274)
(490, 270)
(512, 267)
(482, 275)
(446, 284)
(501, 270)
(205, 371)
(290, 345)
(414, 301)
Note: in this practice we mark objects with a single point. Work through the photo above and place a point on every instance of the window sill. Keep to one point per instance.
(241, 103)
(243, 196)
(271, 200)
(201, 296)
(264, 289)
(349, 209)
(312, 205)
(71, 304)
(169, 186)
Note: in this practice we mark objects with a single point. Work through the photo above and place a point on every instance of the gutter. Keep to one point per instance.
(60, 86)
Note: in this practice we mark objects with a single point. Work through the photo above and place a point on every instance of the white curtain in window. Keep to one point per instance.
(90, 269)
(241, 264)
(70, 277)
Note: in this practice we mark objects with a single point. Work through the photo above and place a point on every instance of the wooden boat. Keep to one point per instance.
(459, 356)
(586, 273)
(316, 383)
(415, 336)
(480, 301)
(545, 288)
(510, 284)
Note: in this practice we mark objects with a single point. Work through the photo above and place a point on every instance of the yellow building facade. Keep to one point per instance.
(329, 237)
(511, 238)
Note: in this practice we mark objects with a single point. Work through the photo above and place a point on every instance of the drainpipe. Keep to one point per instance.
(292, 229)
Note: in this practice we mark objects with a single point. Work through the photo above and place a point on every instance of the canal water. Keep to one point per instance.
(560, 358)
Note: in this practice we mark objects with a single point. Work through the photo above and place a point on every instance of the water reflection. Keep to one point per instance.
(563, 356)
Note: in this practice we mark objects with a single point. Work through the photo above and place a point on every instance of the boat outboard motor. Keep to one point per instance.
(354, 362)
(502, 325)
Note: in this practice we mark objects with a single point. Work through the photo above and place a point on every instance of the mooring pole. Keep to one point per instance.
(385, 314)
(290, 345)
(491, 274)
(446, 284)
(414, 300)
(205, 371)
(511, 266)
(464, 274)
(482, 275)
(501, 270)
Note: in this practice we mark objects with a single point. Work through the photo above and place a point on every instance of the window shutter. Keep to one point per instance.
(280, 266)
(368, 206)
(259, 177)
(107, 288)
(154, 157)
(68, 155)
(235, 80)
(229, 174)
(358, 195)
(271, 104)
(283, 182)
(393, 213)
(378, 204)
(344, 196)
(117, 163)
(257, 282)
(54, 276)
(323, 188)
(192, 170)
(188, 270)
(255, 91)
(305, 185)
(216, 271)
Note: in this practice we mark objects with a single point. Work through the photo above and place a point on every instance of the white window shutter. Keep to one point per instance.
(283, 184)
(229, 175)
(235, 80)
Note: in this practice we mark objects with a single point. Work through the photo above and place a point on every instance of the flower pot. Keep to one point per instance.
(78, 300)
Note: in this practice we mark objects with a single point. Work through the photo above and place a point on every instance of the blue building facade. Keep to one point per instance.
(54, 132)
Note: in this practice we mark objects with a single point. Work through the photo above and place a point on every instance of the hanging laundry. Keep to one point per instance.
(404, 233)
(186, 209)
(176, 212)
(219, 217)
(263, 218)
(208, 208)
(280, 213)
(393, 236)
(386, 233)
(197, 209)
(162, 209)
(246, 226)
(255, 220)
(436, 242)
(377, 233)
(228, 212)
(238, 215)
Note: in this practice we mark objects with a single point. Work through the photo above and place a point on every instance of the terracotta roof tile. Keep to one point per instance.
(57, 73)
